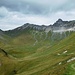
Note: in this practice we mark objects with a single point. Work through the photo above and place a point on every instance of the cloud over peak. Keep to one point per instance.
(14, 13)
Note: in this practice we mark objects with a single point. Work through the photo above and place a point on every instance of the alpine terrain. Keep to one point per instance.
(38, 50)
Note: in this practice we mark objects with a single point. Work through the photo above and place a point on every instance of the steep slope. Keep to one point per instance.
(41, 60)
(44, 57)
(47, 60)
(4, 39)
(7, 65)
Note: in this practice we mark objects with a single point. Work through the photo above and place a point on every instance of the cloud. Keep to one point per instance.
(15, 19)
(14, 13)
(3, 12)
(37, 6)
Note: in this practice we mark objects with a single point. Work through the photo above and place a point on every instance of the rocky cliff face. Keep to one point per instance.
(63, 26)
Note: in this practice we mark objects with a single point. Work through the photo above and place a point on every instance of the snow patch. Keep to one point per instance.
(58, 54)
(73, 58)
(64, 52)
(60, 63)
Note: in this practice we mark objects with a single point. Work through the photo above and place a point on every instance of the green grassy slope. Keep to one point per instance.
(46, 61)
(7, 65)
(46, 57)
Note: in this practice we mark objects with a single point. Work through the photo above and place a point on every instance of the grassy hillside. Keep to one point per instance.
(38, 53)
(46, 61)
(7, 65)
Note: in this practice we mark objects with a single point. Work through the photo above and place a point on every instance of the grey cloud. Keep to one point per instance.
(14, 13)
(3, 12)
(22, 6)
(41, 7)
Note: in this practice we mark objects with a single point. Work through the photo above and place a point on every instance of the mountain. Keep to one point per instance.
(58, 25)
(61, 25)
(60, 22)
(38, 50)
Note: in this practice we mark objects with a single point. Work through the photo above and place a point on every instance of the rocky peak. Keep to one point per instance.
(33, 26)
(59, 22)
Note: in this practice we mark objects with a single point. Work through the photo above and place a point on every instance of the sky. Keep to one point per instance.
(14, 13)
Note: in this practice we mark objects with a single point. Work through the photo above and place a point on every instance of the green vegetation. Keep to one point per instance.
(37, 53)
(70, 69)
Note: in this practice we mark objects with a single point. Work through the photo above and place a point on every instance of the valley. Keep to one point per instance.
(38, 50)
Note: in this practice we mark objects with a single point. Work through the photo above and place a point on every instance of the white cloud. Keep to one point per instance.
(3, 12)
(15, 19)
(11, 19)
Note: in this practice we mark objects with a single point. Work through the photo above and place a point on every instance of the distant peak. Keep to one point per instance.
(59, 20)
(27, 24)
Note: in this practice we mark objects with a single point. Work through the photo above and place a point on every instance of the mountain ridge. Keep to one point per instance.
(59, 26)
(29, 24)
